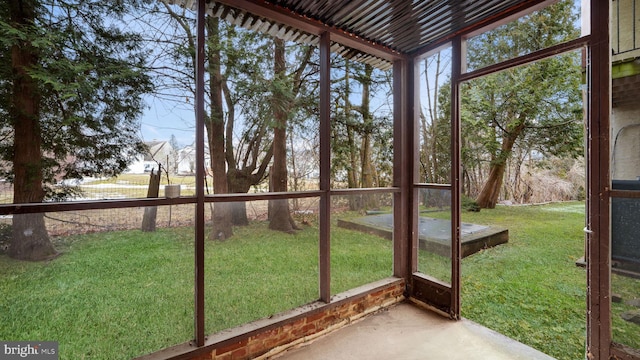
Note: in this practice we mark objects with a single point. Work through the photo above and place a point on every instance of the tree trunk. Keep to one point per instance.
(368, 201)
(296, 176)
(427, 168)
(352, 171)
(239, 213)
(430, 128)
(239, 183)
(352, 174)
(488, 196)
(30, 239)
(151, 212)
(221, 228)
(434, 124)
(280, 215)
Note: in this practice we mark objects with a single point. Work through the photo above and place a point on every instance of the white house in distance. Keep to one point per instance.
(187, 159)
(158, 152)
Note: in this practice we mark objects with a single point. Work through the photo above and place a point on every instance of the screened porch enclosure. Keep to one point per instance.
(264, 292)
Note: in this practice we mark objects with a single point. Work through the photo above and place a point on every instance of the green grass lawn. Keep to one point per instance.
(108, 296)
(531, 289)
(121, 294)
(625, 332)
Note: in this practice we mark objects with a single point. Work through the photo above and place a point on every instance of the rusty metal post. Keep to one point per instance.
(403, 149)
(200, 174)
(400, 204)
(325, 168)
(598, 234)
(456, 69)
(413, 158)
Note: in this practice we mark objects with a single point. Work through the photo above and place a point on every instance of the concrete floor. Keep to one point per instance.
(407, 332)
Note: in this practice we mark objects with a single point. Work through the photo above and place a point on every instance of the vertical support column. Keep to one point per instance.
(456, 69)
(200, 173)
(401, 243)
(325, 167)
(598, 178)
(404, 142)
(405, 139)
(413, 126)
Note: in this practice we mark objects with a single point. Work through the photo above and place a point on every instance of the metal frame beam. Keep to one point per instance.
(200, 174)
(311, 26)
(456, 69)
(598, 180)
(487, 24)
(403, 122)
(325, 167)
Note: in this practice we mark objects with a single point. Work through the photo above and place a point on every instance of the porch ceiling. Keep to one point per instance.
(370, 31)
(401, 25)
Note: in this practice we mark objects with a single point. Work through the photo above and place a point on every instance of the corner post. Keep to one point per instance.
(199, 220)
(325, 167)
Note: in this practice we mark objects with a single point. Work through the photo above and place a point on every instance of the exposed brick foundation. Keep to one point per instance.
(320, 320)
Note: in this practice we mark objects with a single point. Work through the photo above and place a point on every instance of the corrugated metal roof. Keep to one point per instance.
(405, 26)
(402, 26)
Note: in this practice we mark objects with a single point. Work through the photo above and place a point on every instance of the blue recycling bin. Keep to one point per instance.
(625, 227)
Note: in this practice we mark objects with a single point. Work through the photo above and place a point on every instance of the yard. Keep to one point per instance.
(124, 293)
(531, 289)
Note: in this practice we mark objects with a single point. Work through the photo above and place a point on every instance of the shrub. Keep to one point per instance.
(469, 204)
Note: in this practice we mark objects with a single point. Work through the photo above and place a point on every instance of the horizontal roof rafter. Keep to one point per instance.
(309, 25)
(375, 32)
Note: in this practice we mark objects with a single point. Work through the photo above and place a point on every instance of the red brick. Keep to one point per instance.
(267, 334)
(296, 324)
(255, 354)
(261, 343)
(232, 347)
(315, 317)
(226, 356)
(202, 357)
(342, 310)
(239, 353)
(327, 321)
(304, 331)
(358, 308)
(257, 348)
(270, 343)
(283, 338)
